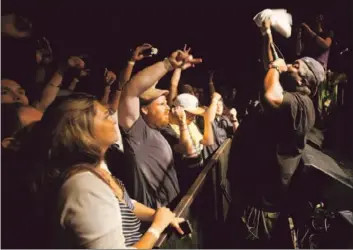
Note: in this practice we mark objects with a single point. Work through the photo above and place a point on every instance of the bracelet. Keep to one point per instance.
(276, 68)
(154, 231)
(56, 86)
(167, 65)
(131, 62)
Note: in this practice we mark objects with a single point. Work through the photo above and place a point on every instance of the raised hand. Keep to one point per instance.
(266, 25)
(85, 72)
(187, 65)
(110, 77)
(211, 75)
(216, 97)
(233, 114)
(182, 59)
(281, 64)
(44, 54)
(179, 113)
(307, 29)
(76, 62)
(137, 54)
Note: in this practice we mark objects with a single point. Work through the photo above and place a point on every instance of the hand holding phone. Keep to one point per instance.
(145, 50)
(187, 229)
(182, 229)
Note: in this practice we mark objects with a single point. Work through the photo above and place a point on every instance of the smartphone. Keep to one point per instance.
(186, 227)
(150, 52)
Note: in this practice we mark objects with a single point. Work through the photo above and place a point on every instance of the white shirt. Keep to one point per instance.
(90, 215)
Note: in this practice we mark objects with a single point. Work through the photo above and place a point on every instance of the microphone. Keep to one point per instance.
(274, 52)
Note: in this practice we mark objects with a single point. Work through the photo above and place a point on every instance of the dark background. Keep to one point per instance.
(221, 32)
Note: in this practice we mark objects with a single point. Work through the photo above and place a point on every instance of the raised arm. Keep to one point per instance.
(268, 43)
(273, 91)
(129, 107)
(137, 55)
(52, 88)
(209, 116)
(174, 82)
(75, 80)
(185, 145)
(109, 79)
(126, 73)
(323, 42)
(234, 119)
(211, 82)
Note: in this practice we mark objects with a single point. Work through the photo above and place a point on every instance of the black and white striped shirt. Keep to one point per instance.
(131, 224)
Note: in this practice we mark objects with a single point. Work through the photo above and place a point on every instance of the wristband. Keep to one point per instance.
(131, 62)
(154, 231)
(167, 65)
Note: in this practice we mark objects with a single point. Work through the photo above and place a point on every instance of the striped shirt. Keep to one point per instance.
(131, 224)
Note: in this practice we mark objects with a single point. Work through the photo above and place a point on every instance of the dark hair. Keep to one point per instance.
(10, 120)
(187, 88)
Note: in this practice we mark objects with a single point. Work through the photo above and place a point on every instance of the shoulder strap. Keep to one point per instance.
(102, 174)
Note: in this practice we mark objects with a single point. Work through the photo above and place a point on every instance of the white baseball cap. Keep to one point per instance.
(190, 104)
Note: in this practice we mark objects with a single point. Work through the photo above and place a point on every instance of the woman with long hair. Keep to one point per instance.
(88, 207)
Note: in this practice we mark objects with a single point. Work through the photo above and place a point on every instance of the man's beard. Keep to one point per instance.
(288, 82)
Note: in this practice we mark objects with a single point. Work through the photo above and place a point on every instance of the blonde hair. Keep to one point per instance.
(69, 127)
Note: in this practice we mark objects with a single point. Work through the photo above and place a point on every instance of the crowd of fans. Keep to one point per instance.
(91, 137)
(90, 153)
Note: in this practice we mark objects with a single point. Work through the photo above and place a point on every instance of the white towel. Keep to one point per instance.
(281, 20)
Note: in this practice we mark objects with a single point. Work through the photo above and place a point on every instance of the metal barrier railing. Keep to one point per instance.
(206, 202)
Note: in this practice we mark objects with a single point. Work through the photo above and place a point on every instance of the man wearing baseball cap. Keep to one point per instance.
(268, 148)
(143, 110)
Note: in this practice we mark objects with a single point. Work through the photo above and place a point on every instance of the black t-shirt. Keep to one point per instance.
(267, 149)
(151, 164)
(187, 167)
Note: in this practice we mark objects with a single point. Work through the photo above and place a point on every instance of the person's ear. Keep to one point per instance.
(144, 110)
